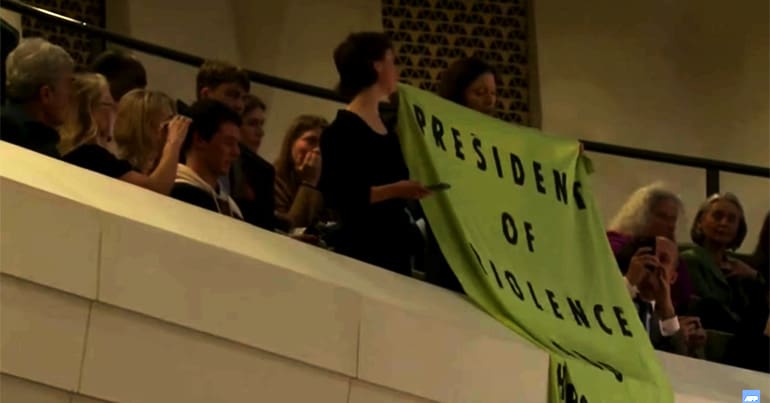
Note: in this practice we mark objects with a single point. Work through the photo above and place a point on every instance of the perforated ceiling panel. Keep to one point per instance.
(431, 34)
(80, 45)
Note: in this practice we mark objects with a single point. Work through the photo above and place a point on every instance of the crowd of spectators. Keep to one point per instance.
(344, 184)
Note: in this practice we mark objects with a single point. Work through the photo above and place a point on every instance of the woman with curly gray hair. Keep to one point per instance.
(651, 211)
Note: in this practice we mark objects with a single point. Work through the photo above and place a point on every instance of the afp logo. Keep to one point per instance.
(750, 396)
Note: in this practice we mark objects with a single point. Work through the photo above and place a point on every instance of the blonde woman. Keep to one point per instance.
(142, 127)
(297, 171)
(87, 137)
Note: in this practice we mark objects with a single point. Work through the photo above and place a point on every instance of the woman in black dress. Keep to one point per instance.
(364, 176)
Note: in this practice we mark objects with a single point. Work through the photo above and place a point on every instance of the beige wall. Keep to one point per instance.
(688, 77)
(294, 39)
(269, 37)
(193, 26)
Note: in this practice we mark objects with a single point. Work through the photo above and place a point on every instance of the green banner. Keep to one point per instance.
(520, 228)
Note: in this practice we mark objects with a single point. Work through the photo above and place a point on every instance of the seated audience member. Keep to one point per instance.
(472, 83)
(38, 87)
(760, 259)
(250, 181)
(210, 149)
(363, 173)
(298, 169)
(141, 130)
(728, 288)
(223, 82)
(652, 211)
(252, 177)
(656, 274)
(122, 70)
(253, 122)
(87, 137)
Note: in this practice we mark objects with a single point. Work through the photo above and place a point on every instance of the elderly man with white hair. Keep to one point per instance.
(39, 78)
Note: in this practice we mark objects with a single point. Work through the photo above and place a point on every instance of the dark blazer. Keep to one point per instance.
(675, 343)
(252, 171)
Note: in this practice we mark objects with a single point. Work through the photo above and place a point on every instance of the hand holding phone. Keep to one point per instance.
(438, 187)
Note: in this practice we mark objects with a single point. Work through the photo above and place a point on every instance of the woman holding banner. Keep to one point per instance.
(471, 83)
(363, 174)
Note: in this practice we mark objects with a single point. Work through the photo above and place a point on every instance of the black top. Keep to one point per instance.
(194, 195)
(16, 127)
(252, 171)
(96, 158)
(356, 158)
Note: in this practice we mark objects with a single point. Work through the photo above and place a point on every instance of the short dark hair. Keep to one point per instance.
(354, 59)
(123, 72)
(208, 116)
(251, 102)
(214, 73)
(697, 234)
(460, 74)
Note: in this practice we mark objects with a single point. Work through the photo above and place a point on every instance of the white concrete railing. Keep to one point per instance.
(113, 293)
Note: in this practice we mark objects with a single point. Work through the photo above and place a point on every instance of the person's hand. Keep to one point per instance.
(693, 332)
(310, 168)
(177, 130)
(409, 189)
(641, 263)
(662, 291)
(741, 269)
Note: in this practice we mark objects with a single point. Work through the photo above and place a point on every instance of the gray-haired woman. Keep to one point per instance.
(728, 287)
(652, 211)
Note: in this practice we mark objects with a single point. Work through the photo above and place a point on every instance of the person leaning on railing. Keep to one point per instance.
(142, 128)
(87, 137)
(297, 171)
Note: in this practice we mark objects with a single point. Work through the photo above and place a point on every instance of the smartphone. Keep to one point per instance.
(438, 187)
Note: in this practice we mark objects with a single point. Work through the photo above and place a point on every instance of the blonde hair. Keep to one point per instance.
(80, 127)
(136, 138)
(635, 215)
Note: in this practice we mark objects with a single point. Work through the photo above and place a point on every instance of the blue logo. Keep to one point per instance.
(750, 396)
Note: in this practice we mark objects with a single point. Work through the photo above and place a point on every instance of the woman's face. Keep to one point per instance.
(719, 223)
(663, 219)
(104, 113)
(307, 141)
(481, 94)
(251, 129)
(387, 72)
